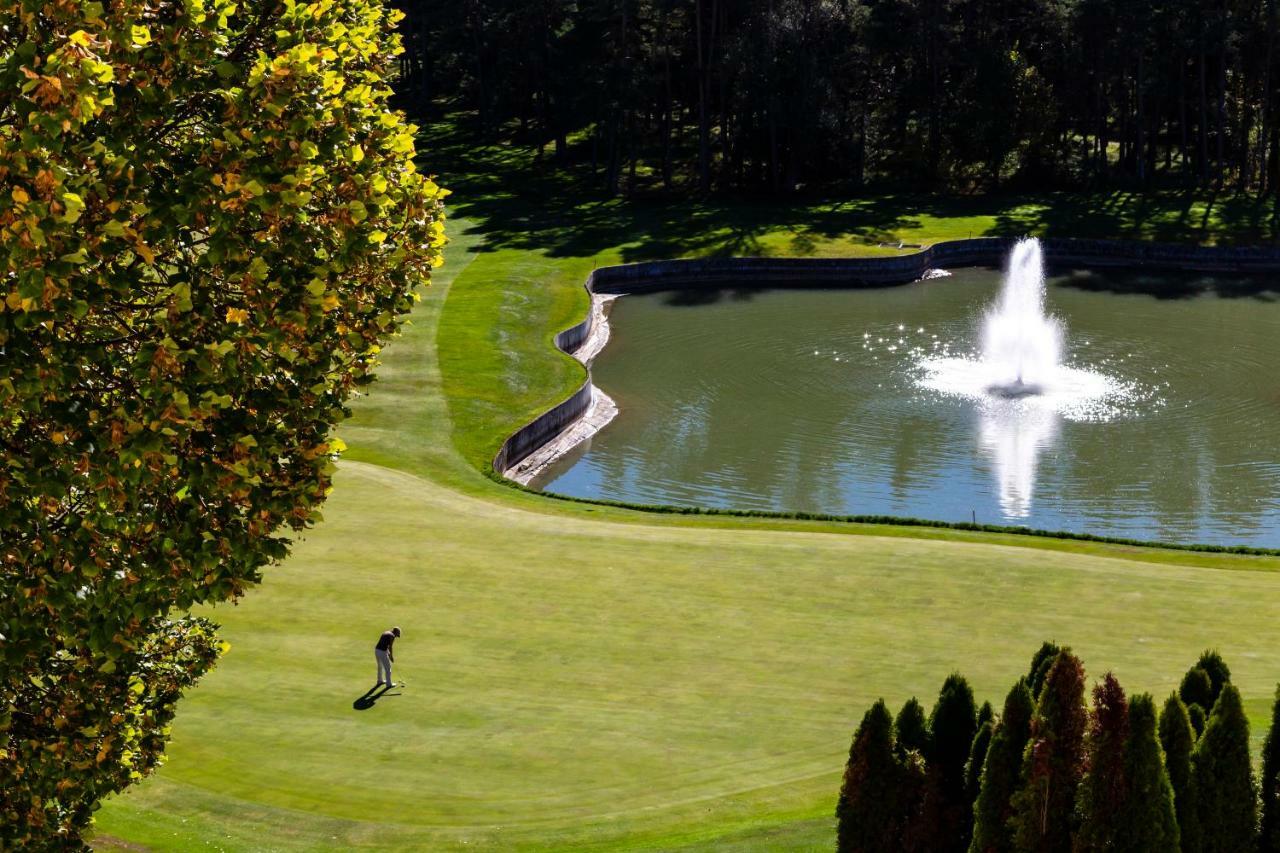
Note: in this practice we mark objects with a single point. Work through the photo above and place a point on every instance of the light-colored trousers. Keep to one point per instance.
(384, 665)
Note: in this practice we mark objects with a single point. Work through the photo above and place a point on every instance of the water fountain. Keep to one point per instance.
(1021, 344)
(1019, 381)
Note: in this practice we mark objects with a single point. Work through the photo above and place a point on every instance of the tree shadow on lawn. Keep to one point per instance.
(1167, 284)
(1164, 216)
(517, 203)
(371, 696)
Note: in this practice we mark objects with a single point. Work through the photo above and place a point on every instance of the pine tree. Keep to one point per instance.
(1000, 773)
(986, 714)
(1197, 688)
(1225, 798)
(1147, 822)
(911, 730)
(1054, 761)
(952, 727)
(1219, 674)
(1100, 800)
(1178, 740)
(869, 811)
(1270, 835)
(1040, 663)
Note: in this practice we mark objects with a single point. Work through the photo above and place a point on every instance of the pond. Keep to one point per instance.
(824, 400)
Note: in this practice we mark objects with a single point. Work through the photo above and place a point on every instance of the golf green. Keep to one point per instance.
(589, 676)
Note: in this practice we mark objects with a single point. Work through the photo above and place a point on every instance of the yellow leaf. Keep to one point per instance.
(237, 315)
(141, 35)
(20, 195)
(329, 302)
(377, 236)
(75, 206)
(81, 38)
(357, 153)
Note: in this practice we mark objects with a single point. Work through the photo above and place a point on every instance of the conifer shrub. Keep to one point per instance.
(1224, 793)
(1198, 719)
(1044, 806)
(977, 757)
(1147, 822)
(1054, 775)
(1100, 801)
(1269, 839)
(1217, 670)
(1001, 772)
(1040, 663)
(911, 729)
(1197, 688)
(1177, 741)
(952, 726)
(870, 810)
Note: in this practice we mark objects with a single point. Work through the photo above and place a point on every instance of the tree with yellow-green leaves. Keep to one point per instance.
(210, 222)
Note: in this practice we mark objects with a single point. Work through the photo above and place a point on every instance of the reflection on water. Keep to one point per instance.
(1013, 436)
(852, 402)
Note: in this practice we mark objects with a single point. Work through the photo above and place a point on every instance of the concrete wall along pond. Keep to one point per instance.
(687, 274)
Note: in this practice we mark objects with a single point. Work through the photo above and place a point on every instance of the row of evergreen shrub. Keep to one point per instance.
(1052, 774)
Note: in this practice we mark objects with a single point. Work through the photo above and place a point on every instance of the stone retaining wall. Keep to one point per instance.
(854, 272)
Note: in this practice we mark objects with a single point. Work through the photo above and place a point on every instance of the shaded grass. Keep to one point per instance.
(594, 677)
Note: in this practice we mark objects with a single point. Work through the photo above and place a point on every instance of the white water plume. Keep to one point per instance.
(1021, 344)
(1019, 382)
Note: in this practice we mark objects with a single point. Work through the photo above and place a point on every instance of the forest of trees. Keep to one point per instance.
(1050, 773)
(779, 95)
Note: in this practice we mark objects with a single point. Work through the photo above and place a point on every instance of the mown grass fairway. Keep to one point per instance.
(589, 676)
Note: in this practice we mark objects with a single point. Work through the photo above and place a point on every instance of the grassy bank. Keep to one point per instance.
(544, 230)
(598, 677)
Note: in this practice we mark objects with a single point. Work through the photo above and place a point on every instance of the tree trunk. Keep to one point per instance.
(1264, 139)
(704, 86)
(1204, 117)
(1140, 142)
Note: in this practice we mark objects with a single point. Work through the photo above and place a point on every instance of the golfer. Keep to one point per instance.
(385, 656)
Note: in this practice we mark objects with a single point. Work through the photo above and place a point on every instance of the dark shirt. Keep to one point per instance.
(385, 641)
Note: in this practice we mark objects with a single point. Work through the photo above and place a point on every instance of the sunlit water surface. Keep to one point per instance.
(1163, 422)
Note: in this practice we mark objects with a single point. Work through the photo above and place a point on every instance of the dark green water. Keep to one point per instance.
(809, 400)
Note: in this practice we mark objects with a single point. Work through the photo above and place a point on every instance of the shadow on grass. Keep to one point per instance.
(517, 203)
(1171, 285)
(371, 696)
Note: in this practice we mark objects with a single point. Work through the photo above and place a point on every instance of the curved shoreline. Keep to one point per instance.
(530, 449)
(600, 410)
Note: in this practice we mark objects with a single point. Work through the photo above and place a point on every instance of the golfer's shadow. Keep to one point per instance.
(371, 696)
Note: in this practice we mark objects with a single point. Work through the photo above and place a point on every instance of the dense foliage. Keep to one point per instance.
(1101, 799)
(1178, 740)
(869, 809)
(999, 776)
(1053, 762)
(1147, 819)
(952, 727)
(1224, 795)
(1270, 782)
(209, 223)
(1062, 775)
(776, 94)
